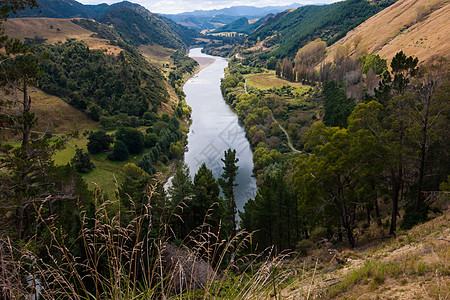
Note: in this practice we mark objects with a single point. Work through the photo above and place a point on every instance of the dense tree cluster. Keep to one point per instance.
(100, 84)
(169, 142)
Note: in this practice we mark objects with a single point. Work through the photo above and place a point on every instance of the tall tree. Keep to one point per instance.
(28, 165)
(429, 126)
(206, 205)
(391, 93)
(227, 183)
(338, 160)
(272, 214)
(337, 106)
(278, 68)
(180, 193)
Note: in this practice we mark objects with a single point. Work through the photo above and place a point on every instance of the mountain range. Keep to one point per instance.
(211, 19)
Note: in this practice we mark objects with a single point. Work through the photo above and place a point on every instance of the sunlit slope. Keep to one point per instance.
(418, 27)
(56, 30)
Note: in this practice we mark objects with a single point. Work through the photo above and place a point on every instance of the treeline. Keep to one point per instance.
(389, 156)
(183, 65)
(100, 84)
(167, 143)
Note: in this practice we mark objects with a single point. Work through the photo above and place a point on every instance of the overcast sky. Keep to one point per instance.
(177, 6)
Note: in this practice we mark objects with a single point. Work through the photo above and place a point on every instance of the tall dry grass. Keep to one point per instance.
(127, 260)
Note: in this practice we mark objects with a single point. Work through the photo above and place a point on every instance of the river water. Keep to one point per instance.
(215, 127)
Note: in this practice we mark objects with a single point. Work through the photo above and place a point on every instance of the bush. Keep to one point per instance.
(150, 140)
(133, 138)
(413, 217)
(120, 152)
(146, 163)
(304, 246)
(82, 162)
(99, 141)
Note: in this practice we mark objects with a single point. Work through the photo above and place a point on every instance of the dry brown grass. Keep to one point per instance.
(415, 265)
(157, 55)
(418, 27)
(47, 28)
(268, 80)
(55, 115)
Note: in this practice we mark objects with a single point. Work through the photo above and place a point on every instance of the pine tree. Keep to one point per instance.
(180, 193)
(227, 183)
(206, 205)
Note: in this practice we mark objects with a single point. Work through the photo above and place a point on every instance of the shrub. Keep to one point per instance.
(99, 141)
(304, 245)
(150, 140)
(133, 138)
(82, 162)
(120, 152)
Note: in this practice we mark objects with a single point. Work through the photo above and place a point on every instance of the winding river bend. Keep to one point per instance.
(215, 127)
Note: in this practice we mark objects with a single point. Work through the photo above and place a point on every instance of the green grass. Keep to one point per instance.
(105, 173)
(373, 273)
(269, 80)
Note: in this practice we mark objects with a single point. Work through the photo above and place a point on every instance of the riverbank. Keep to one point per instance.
(204, 62)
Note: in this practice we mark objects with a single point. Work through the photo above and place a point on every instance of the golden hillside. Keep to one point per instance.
(418, 27)
(55, 30)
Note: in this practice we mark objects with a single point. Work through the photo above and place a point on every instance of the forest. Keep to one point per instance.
(102, 85)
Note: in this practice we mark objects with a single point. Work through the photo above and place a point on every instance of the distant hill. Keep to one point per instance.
(211, 19)
(418, 27)
(135, 24)
(58, 9)
(240, 11)
(286, 32)
(242, 25)
(140, 27)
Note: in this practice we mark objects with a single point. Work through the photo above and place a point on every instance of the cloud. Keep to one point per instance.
(178, 6)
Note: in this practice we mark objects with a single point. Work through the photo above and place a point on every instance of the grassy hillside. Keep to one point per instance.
(135, 24)
(418, 27)
(414, 265)
(56, 30)
(288, 31)
(57, 116)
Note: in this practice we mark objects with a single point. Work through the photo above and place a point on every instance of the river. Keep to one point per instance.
(215, 127)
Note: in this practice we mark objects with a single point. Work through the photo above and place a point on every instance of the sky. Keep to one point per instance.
(178, 6)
